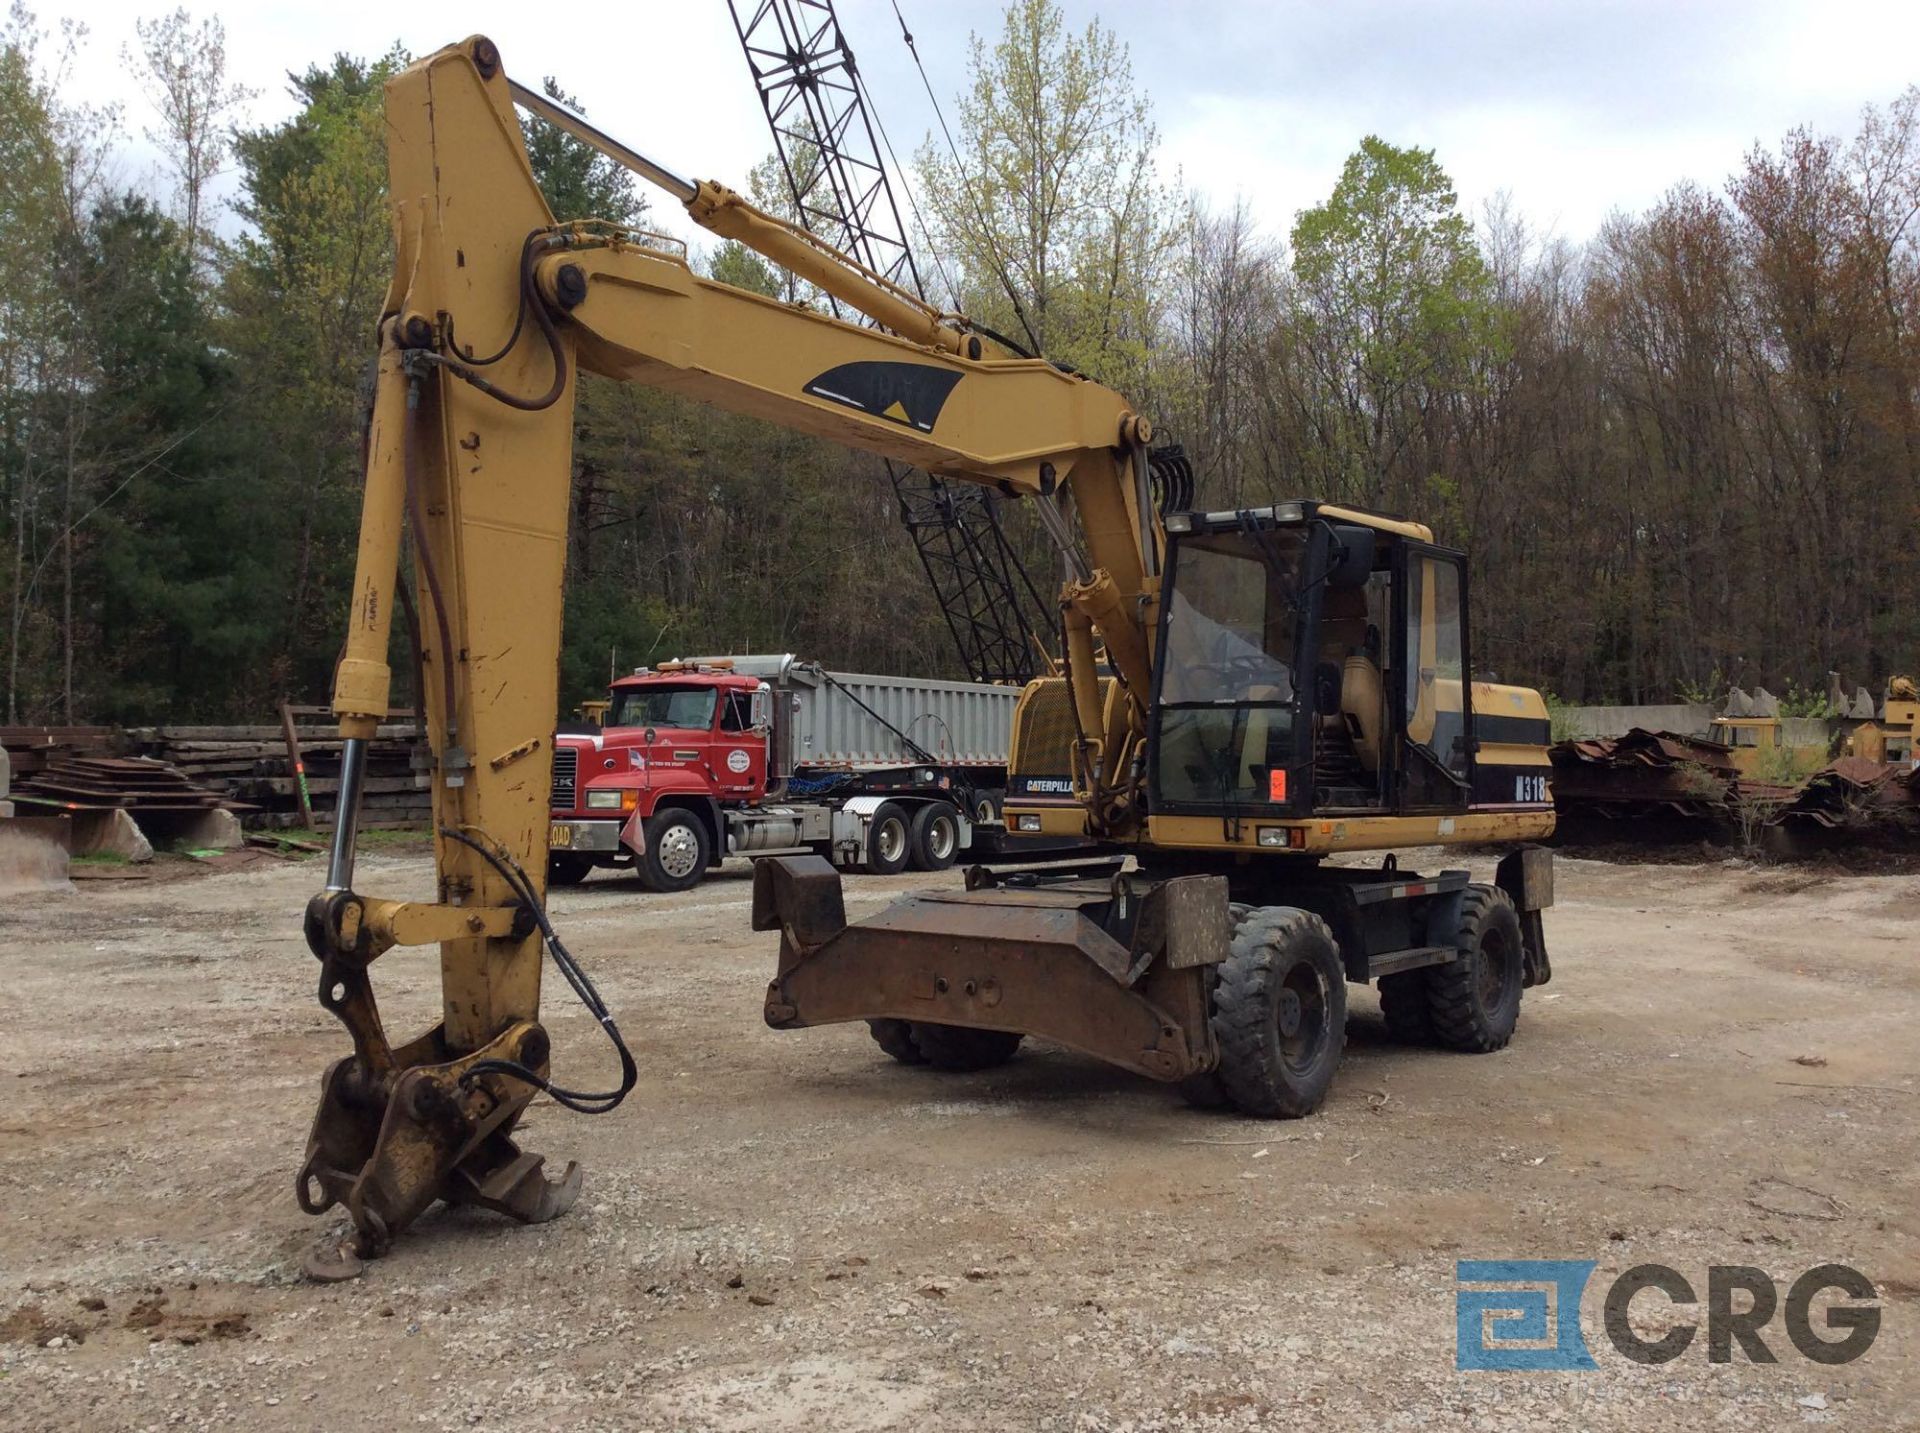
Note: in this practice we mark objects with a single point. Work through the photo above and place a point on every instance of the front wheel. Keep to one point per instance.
(1280, 1013)
(676, 854)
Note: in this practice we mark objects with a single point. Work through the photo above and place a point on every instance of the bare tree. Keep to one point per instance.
(185, 78)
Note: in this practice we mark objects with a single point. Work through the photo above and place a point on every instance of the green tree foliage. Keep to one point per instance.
(300, 294)
(1052, 217)
(1393, 305)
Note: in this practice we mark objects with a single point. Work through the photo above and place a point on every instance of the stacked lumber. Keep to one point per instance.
(31, 748)
(252, 764)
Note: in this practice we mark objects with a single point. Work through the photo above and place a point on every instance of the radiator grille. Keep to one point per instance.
(566, 776)
(1044, 731)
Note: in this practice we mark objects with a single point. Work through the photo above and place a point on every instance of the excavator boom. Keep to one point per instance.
(1242, 692)
(493, 310)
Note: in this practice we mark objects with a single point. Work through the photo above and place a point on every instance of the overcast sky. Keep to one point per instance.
(1575, 108)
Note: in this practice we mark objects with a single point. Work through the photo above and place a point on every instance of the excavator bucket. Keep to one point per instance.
(1103, 961)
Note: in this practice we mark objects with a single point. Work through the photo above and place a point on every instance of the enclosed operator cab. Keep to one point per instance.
(1311, 694)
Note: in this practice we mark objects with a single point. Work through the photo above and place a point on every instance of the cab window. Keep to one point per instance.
(1433, 685)
(1225, 719)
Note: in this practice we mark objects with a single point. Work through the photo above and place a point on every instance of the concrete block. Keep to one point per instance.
(110, 833)
(193, 830)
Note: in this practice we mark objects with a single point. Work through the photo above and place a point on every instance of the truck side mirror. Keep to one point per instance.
(762, 709)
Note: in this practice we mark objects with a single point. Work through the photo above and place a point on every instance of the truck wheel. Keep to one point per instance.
(936, 838)
(1474, 999)
(889, 840)
(896, 1038)
(1404, 1006)
(1280, 1013)
(676, 854)
(961, 1047)
(567, 870)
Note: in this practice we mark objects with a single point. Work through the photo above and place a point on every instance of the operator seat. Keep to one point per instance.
(1363, 701)
(1350, 647)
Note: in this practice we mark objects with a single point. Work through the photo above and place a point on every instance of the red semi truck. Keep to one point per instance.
(714, 756)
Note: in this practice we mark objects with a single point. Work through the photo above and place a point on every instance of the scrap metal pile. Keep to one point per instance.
(1655, 785)
(1642, 776)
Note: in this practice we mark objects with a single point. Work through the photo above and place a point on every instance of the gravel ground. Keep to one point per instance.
(787, 1231)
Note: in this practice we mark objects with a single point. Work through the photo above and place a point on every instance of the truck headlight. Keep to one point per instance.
(1027, 822)
(603, 800)
(1285, 837)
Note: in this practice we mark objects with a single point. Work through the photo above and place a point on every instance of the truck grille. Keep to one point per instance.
(566, 776)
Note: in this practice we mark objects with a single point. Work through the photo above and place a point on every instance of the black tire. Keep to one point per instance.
(936, 837)
(1474, 1000)
(678, 849)
(889, 840)
(1404, 1005)
(896, 1038)
(1280, 1013)
(565, 870)
(986, 808)
(960, 1047)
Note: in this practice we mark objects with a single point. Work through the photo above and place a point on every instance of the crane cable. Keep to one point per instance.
(986, 232)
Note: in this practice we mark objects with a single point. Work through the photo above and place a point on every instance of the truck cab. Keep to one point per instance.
(680, 742)
(708, 757)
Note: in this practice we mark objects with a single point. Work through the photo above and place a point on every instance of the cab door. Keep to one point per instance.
(738, 757)
(1432, 703)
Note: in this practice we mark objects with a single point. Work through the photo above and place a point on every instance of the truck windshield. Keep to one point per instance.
(1227, 689)
(688, 708)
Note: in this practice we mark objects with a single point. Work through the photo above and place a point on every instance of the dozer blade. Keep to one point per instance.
(1039, 960)
(33, 854)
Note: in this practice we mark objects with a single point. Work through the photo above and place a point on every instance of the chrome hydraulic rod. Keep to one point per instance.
(346, 816)
(555, 113)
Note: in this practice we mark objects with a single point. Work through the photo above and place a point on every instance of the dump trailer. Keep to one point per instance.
(710, 757)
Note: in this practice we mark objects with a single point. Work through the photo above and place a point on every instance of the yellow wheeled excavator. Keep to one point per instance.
(1244, 694)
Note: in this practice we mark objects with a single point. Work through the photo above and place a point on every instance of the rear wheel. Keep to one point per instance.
(677, 851)
(1474, 999)
(564, 870)
(1280, 1013)
(896, 1038)
(960, 1047)
(889, 840)
(936, 838)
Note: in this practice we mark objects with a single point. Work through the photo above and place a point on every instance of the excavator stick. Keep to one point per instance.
(1106, 962)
